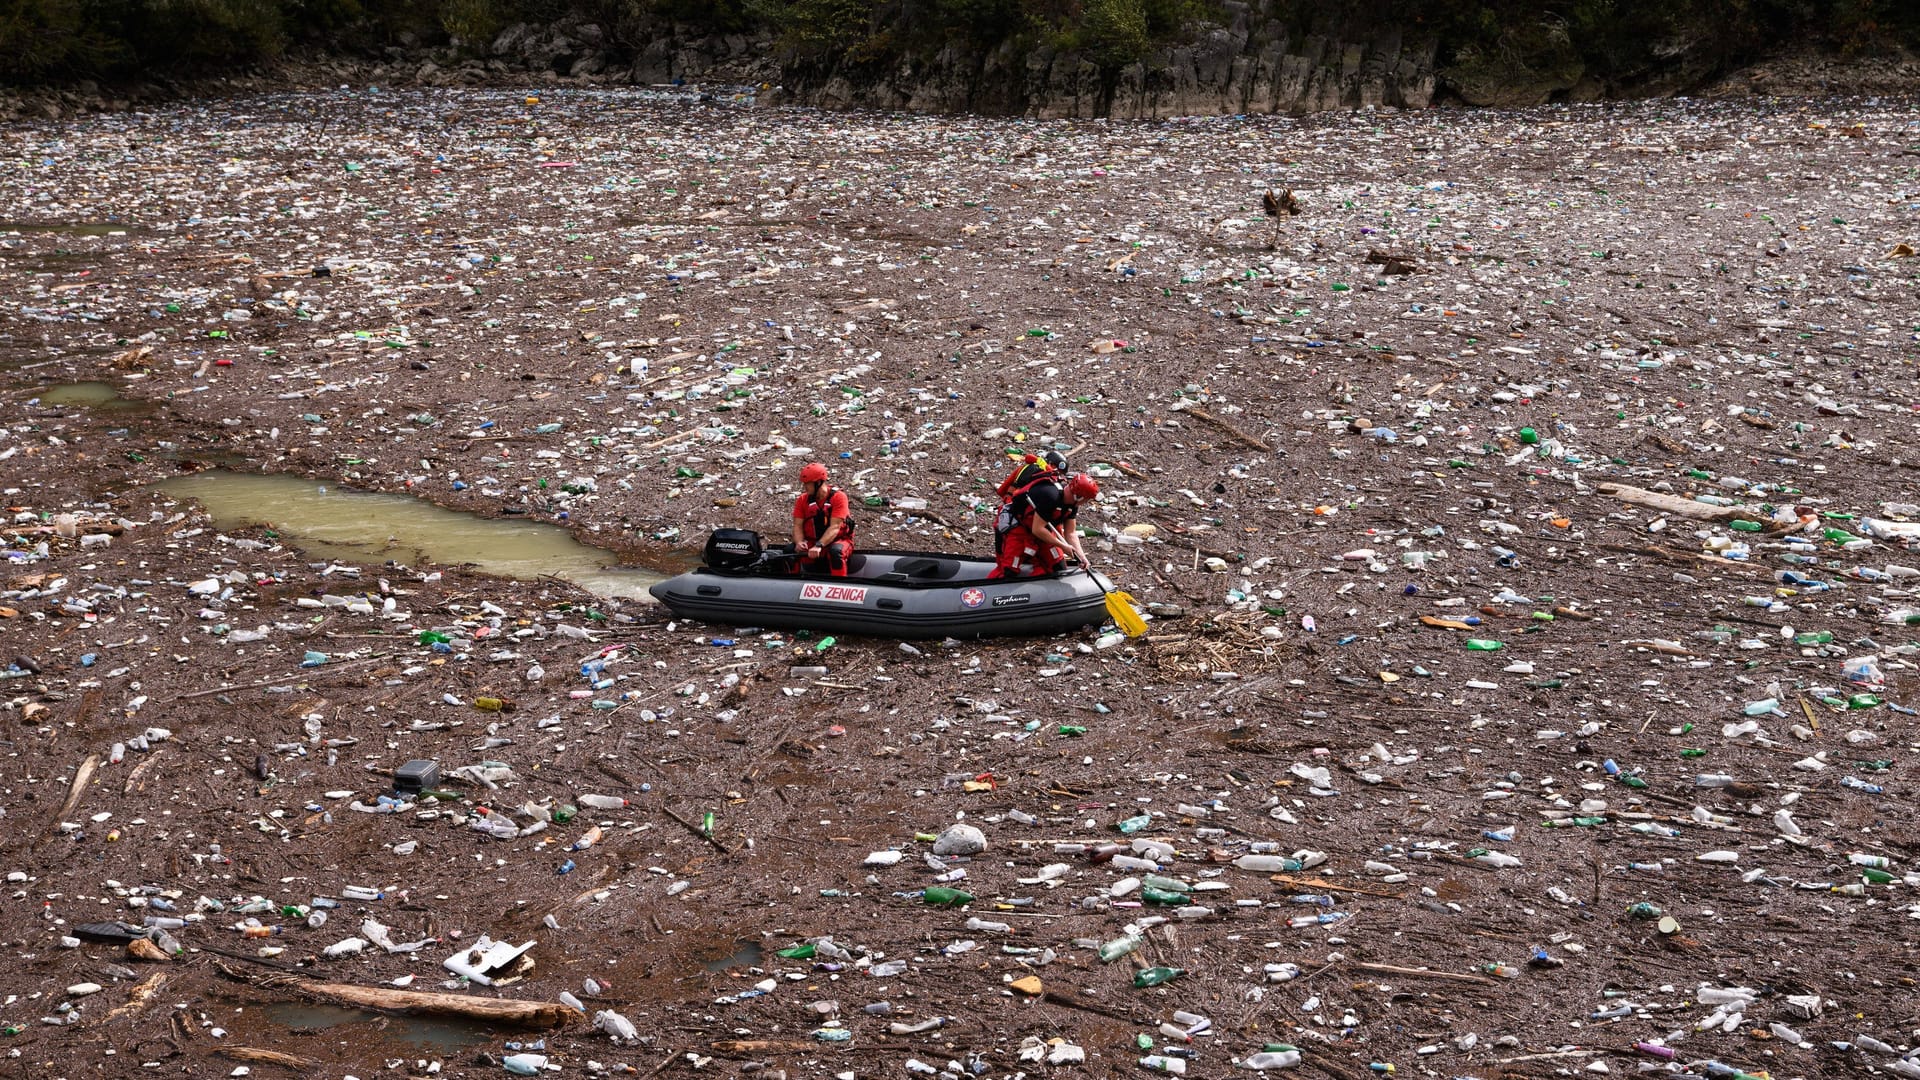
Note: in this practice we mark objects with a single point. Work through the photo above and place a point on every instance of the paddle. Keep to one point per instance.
(1120, 609)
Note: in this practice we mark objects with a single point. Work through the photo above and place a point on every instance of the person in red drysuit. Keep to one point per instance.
(822, 529)
(1042, 536)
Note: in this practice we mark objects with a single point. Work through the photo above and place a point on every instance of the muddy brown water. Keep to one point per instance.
(91, 394)
(328, 521)
(443, 1036)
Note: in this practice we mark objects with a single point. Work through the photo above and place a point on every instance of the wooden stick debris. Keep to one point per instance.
(1223, 425)
(1422, 973)
(1057, 998)
(1308, 883)
(253, 1055)
(697, 830)
(324, 668)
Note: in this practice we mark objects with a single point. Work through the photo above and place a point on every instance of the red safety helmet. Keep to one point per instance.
(812, 472)
(1082, 487)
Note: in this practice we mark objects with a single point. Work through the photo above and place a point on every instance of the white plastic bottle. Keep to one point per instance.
(602, 802)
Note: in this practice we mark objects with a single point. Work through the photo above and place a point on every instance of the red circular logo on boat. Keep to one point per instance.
(973, 598)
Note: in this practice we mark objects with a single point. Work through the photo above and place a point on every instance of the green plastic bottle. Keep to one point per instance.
(1483, 645)
(941, 896)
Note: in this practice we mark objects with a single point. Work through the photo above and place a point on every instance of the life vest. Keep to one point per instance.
(822, 518)
(1010, 512)
(1029, 472)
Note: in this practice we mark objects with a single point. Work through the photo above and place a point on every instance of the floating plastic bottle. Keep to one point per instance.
(1271, 1059)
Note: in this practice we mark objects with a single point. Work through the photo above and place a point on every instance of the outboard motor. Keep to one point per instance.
(733, 549)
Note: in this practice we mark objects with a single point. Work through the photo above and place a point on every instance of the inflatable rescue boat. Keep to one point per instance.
(895, 594)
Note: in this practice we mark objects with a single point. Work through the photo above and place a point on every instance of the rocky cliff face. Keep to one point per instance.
(1252, 63)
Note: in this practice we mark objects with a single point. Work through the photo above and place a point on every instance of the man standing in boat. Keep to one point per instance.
(822, 530)
(1043, 534)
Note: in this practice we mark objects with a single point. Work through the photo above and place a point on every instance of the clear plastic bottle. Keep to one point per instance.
(602, 802)
(1271, 1059)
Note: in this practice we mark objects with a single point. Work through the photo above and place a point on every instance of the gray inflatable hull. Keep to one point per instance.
(891, 594)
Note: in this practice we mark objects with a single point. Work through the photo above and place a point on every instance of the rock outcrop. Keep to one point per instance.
(1251, 63)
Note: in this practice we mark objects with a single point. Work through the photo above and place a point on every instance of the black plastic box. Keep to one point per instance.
(416, 776)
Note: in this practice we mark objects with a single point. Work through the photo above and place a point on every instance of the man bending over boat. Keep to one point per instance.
(822, 531)
(1043, 536)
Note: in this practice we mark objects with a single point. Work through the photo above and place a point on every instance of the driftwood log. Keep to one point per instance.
(1229, 428)
(1678, 505)
(417, 1003)
(762, 1046)
(81, 777)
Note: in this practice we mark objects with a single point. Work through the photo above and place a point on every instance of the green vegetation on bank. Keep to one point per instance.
(62, 41)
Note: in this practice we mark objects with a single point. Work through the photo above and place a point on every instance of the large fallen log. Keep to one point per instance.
(1679, 505)
(417, 1003)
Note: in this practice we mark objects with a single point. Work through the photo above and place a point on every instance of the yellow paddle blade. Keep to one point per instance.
(1120, 610)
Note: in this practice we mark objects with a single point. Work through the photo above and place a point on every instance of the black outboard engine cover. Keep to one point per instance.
(733, 549)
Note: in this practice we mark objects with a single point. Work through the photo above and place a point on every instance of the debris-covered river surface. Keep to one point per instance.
(1527, 528)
